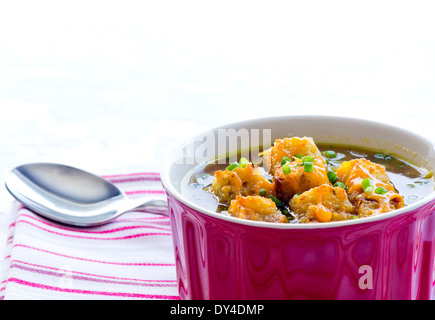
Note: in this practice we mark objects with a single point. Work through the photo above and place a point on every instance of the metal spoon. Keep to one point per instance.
(73, 196)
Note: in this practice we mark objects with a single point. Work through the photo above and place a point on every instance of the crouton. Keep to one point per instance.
(288, 147)
(372, 200)
(242, 181)
(256, 208)
(322, 204)
(298, 180)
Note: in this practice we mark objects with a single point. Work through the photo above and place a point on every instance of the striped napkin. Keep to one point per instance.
(130, 258)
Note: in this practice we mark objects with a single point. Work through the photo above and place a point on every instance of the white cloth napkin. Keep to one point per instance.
(130, 258)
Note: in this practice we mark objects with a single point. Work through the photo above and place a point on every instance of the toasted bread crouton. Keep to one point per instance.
(298, 180)
(353, 172)
(288, 147)
(242, 181)
(256, 208)
(323, 204)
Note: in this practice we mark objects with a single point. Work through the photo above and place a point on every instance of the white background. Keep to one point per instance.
(110, 86)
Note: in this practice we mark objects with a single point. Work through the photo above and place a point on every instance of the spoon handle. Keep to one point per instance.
(153, 205)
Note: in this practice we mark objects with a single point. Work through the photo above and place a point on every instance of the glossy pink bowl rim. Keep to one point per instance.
(171, 189)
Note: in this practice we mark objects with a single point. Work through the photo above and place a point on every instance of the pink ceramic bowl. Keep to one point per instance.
(389, 256)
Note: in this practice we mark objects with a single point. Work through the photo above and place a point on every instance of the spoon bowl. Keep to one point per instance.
(73, 196)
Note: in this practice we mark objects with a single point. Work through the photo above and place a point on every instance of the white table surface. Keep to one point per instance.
(110, 86)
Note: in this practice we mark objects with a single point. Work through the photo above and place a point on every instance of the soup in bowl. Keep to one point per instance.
(305, 207)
